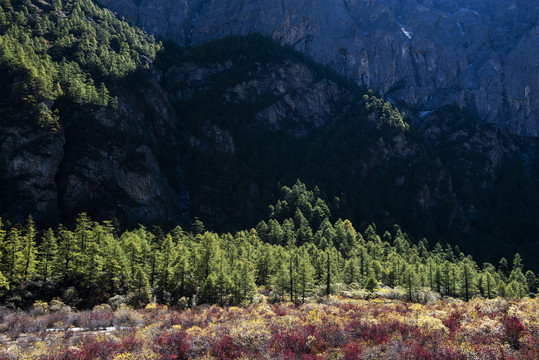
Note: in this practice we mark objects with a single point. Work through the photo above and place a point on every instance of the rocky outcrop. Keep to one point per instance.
(480, 55)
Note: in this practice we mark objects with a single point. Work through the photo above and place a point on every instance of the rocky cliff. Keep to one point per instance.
(107, 162)
(479, 55)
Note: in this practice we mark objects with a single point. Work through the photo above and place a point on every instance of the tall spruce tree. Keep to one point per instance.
(46, 255)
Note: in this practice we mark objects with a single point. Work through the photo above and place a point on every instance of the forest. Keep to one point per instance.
(299, 252)
(64, 49)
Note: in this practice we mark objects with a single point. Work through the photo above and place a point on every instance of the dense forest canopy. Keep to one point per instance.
(64, 48)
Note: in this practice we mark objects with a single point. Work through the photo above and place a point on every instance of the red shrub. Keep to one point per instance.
(421, 353)
(174, 345)
(225, 349)
(378, 334)
(96, 320)
(130, 342)
(279, 310)
(69, 354)
(513, 330)
(452, 322)
(289, 342)
(353, 351)
(99, 350)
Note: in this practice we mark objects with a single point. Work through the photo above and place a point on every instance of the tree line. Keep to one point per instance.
(296, 256)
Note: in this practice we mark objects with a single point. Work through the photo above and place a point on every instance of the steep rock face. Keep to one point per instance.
(480, 55)
(116, 162)
(109, 163)
(29, 160)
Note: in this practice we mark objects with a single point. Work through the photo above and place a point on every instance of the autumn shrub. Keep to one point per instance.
(226, 349)
(391, 293)
(425, 296)
(56, 305)
(513, 330)
(117, 301)
(452, 322)
(127, 316)
(59, 320)
(99, 349)
(341, 329)
(353, 351)
(130, 341)
(39, 308)
(96, 320)
(173, 345)
(16, 324)
(377, 334)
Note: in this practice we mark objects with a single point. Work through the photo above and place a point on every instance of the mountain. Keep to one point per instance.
(97, 117)
(67, 145)
(422, 54)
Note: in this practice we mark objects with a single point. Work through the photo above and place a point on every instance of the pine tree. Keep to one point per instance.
(243, 280)
(182, 275)
(154, 258)
(115, 267)
(289, 233)
(518, 278)
(488, 284)
(141, 293)
(531, 281)
(46, 255)
(13, 257)
(29, 250)
(292, 274)
(168, 257)
(92, 263)
(468, 278)
(351, 273)
(263, 264)
(305, 271)
(208, 255)
(82, 233)
(281, 276)
(218, 284)
(411, 281)
(3, 280)
(371, 283)
(330, 268)
(275, 232)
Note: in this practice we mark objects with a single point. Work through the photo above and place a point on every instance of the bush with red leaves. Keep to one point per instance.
(513, 330)
(225, 349)
(353, 351)
(452, 322)
(174, 345)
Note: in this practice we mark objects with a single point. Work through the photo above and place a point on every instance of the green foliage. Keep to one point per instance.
(388, 115)
(371, 283)
(92, 263)
(69, 48)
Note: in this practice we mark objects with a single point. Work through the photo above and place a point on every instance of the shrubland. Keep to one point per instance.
(336, 328)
